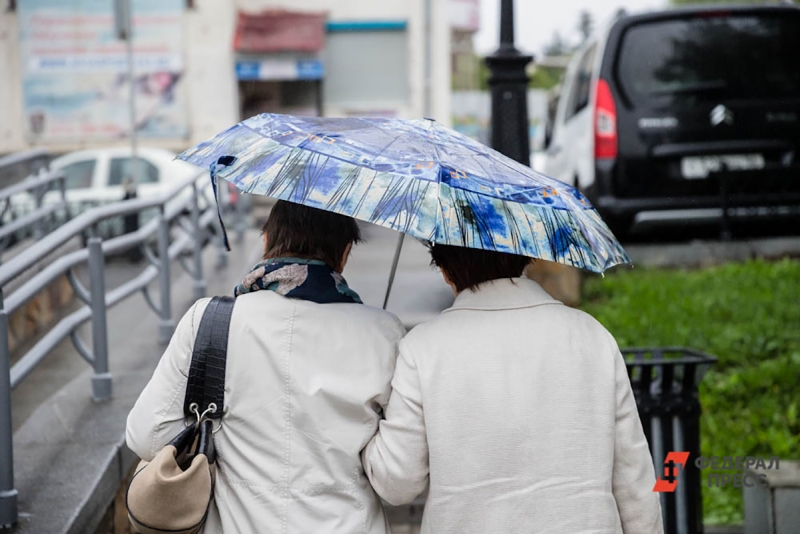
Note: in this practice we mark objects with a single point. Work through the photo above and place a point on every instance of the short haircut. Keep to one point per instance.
(309, 233)
(467, 268)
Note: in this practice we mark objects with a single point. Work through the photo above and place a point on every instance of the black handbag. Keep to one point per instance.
(174, 491)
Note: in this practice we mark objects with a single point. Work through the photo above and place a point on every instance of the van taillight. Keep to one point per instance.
(605, 122)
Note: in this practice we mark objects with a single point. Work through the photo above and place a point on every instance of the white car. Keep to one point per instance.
(98, 176)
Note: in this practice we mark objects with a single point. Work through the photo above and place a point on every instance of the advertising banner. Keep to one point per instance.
(75, 70)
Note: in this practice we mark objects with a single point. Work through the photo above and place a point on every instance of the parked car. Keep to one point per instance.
(98, 176)
(672, 115)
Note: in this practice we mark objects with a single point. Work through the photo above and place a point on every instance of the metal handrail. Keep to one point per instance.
(191, 240)
(38, 187)
(14, 267)
(22, 157)
(69, 324)
(31, 183)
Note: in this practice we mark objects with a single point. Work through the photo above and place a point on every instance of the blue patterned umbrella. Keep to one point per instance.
(414, 176)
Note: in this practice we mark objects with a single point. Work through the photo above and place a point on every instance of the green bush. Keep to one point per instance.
(748, 316)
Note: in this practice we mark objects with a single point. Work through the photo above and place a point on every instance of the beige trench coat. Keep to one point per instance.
(519, 413)
(304, 385)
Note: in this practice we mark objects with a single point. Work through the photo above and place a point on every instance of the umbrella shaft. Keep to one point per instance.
(394, 268)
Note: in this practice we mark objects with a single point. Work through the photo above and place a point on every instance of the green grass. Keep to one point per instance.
(747, 315)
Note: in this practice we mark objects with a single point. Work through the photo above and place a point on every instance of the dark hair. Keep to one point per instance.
(309, 233)
(467, 268)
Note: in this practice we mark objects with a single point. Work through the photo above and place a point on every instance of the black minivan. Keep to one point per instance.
(683, 114)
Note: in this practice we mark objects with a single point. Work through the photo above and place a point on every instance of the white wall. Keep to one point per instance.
(212, 94)
(11, 117)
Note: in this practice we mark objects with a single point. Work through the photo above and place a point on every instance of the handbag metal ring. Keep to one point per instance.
(195, 409)
(211, 408)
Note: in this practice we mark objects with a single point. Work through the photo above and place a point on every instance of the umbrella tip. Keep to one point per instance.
(429, 119)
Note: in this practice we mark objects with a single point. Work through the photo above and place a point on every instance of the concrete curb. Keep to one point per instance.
(709, 253)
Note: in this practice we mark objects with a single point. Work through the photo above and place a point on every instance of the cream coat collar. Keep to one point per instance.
(503, 294)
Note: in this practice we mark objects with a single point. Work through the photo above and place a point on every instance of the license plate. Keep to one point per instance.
(699, 167)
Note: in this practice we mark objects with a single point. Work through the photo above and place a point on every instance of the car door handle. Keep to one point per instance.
(553, 150)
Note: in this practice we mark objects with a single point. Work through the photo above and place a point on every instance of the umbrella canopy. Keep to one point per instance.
(414, 176)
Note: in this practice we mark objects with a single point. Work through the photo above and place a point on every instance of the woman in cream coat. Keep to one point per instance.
(308, 370)
(516, 412)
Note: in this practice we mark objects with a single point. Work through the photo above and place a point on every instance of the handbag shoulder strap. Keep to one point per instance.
(206, 383)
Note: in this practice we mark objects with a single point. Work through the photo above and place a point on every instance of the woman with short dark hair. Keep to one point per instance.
(308, 372)
(515, 411)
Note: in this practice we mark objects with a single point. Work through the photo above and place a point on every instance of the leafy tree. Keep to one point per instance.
(557, 46)
(585, 25)
(545, 77)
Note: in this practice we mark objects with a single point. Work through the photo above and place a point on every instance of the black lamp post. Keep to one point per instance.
(508, 82)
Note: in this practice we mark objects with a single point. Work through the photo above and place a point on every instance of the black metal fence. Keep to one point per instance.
(665, 383)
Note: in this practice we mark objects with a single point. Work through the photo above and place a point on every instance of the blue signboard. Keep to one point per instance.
(279, 68)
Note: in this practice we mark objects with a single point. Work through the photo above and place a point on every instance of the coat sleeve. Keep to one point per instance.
(396, 458)
(157, 415)
(633, 476)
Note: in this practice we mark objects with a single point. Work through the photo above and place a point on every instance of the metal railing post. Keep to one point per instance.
(62, 187)
(165, 324)
(39, 194)
(8, 495)
(199, 233)
(101, 380)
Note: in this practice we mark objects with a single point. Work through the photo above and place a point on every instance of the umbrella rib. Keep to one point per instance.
(388, 195)
(534, 243)
(387, 146)
(345, 188)
(366, 191)
(482, 167)
(513, 229)
(279, 175)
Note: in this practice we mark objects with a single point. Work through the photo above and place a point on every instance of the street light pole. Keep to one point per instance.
(132, 99)
(508, 82)
(123, 23)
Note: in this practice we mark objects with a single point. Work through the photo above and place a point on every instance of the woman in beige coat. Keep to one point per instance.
(308, 370)
(516, 412)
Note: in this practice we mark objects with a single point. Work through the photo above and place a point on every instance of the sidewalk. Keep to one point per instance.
(419, 292)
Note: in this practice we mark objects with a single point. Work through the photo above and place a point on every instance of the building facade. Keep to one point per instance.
(202, 65)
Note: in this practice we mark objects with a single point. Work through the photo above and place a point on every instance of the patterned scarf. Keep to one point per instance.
(300, 279)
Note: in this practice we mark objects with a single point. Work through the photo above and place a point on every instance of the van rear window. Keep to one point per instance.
(716, 55)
